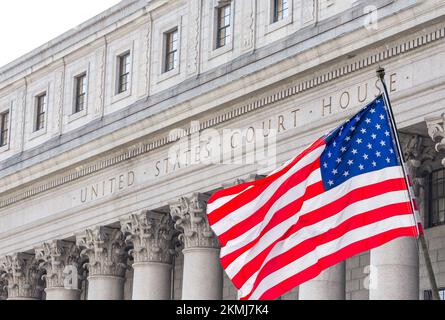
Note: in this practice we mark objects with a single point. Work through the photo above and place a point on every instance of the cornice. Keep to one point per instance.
(355, 65)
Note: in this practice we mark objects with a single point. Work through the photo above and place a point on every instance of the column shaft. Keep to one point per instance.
(395, 271)
(152, 281)
(328, 285)
(203, 277)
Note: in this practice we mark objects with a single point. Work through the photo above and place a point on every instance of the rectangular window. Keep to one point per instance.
(81, 92)
(171, 50)
(124, 72)
(281, 10)
(4, 127)
(428, 295)
(223, 35)
(40, 112)
(437, 198)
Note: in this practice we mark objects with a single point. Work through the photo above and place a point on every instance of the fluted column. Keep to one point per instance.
(202, 277)
(328, 285)
(152, 235)
(104, 248)
(22, 275)
(60, 259)
(395, 265)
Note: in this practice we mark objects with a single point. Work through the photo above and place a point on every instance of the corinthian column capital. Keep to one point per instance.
(436, 130)
(104, 248)
(190, 218)
(152, 235)
(61, 261)
(22, 274)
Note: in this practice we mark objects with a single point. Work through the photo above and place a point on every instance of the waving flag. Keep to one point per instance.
(344, 194)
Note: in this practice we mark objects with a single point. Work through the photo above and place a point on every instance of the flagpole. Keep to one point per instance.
(421, 237)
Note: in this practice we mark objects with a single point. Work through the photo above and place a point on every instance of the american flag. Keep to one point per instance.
(344, 194)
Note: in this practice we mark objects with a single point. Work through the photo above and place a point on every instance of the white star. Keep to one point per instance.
(329, 154)
(343, 149)
(368, 121)
(334, 172)
(348, 138)
(374, 164)
(387, 133)
(346, 173)
(365, 156)
(378, 127)
(325, 165)
(382, 143)
(391, 150)
(378, 101)
(369, 146)
(361, 167)
(331, 183)
(338, 160)
(382, 117)
(352, 128)
(359, 141)
(372, 110)
(378, 154)
(363, 130)
(374, 136)
(350, 162)
(334, 144)
(388, 160)
(357, 118)
(354, 151)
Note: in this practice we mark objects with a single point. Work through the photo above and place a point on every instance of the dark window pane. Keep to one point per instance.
(4, 123)
(223, 26)
(124, 73)
(81, 91)
(171, 50)
(40, 112)
(437, 198)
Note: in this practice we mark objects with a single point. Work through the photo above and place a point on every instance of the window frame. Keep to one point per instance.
(273, 25)
(5, 142)
(225, 27)
(121, 75)
(76, 95)
(276, 11)
(431, 199)
(167, 52)
(39, 125)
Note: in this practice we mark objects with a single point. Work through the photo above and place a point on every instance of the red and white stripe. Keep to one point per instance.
(283, 230)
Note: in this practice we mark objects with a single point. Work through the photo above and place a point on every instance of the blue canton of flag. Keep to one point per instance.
(362, 144)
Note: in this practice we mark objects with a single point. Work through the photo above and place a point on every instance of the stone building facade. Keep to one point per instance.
(94, 204)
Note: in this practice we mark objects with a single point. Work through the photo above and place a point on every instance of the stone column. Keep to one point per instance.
(328, 285)
(22, 274)
(202, 277)
(61, 261)
(152, 236)
(3, 287)
(395, 265)
(104, 248)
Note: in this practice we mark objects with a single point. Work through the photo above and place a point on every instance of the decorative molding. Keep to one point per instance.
(152, 235)
(54, 257)
(21, 271)
(59, 93)
(309, 11)
(248, 24)
(190, 218)
(105, 249)
(194, 36)
(313, 82)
